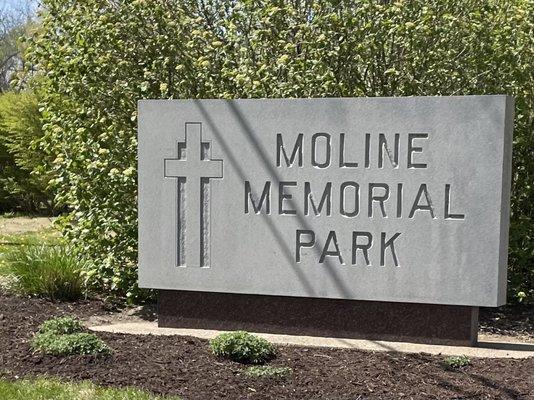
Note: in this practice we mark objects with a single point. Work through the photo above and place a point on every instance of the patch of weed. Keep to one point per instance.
(264, 371)
(456, 362)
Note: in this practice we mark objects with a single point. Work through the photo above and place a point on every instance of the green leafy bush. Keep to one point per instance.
(23, 180)
(65, 336)
(54, 272)
(62, 326)
(98, 57)
(456, 362)
(63, 345)
(264, 371)
(242, 347)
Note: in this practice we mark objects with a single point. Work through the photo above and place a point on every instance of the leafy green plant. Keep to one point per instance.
(97, 59)
(264, 371)
(242, 347)
(456, 362)
(54, 272)
(65, 336)
(76, 343)
(23, 181)
(62, 326)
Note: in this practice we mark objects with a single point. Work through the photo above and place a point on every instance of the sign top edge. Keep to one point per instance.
(496, 96)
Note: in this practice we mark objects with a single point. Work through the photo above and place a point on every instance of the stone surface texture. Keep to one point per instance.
(380, 199)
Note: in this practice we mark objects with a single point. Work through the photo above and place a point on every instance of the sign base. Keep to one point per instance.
(355, 319)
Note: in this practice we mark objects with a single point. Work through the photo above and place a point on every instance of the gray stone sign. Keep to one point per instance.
(383, 199)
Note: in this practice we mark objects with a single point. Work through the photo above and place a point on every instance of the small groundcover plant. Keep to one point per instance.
(264, 371)
(242, 347)
(456, 362)
(61, 326)
(65, 336)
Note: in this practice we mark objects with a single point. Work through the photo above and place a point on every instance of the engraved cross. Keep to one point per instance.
(193, 168)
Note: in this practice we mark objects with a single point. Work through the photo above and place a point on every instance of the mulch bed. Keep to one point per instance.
(511, 321)
(184, 366)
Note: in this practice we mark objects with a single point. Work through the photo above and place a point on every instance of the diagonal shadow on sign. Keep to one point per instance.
(276, 233)
(275, 177)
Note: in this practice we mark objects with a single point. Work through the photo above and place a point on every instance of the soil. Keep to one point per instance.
(517, 322)
(184, 365)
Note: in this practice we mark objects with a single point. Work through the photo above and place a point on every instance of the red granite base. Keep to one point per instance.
(411, 322)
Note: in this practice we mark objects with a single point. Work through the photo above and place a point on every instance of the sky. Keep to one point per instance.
(12, 6)
(15, 3)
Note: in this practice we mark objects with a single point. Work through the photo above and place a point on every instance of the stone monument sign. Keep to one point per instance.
(376, 199)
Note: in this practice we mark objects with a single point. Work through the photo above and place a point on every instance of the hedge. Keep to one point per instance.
(98, 57)
(23, 180)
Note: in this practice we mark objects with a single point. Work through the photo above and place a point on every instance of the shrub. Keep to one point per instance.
(76, 343)
(62, 326)
(65, 336)
(242, 347)
(456, 362)
(97, 58)
(263, 371)
(23, 180)
(54, 272)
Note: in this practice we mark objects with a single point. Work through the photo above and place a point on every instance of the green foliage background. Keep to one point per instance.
(23, 177)
(98, 57)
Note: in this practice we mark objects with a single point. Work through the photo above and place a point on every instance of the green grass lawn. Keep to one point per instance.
(25, 233)
(51, 389)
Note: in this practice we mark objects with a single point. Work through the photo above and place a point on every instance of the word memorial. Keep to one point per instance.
(397, 200)
(347, 201)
